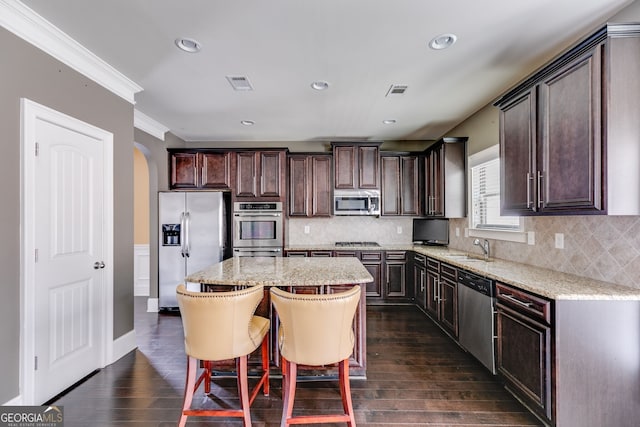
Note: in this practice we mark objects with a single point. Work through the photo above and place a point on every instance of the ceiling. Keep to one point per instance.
(360, 47)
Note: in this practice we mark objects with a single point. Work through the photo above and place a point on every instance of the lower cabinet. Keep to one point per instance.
(523, 326)
(420, 280)
(442, 295)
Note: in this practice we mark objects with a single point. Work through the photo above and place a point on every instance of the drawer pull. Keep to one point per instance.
(517, 301)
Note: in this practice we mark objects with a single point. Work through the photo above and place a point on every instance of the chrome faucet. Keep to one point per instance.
(484, 244)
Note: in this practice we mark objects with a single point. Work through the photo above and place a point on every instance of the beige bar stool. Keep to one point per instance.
(221, 326)
(316, 330)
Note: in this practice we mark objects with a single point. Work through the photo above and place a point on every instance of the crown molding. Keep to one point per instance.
(34, 29)
(148, 125)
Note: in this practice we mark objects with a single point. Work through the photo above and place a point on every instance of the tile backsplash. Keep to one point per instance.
(600, 247)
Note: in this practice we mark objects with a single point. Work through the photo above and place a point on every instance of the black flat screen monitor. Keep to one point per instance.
(431, 231)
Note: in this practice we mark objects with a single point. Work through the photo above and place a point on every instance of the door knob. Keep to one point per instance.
(98, 265)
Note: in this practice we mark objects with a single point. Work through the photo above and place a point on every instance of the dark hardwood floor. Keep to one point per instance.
(416, 376)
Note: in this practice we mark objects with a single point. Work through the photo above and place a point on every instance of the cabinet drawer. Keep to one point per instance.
(297, 253)
(371, 256)
(320, 253)
(420, 259)
(433, 264)
(396, 255)
(524, 302)
(449, 271)
(345, 253)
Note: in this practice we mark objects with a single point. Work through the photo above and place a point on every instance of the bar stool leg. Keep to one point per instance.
(345, 391)
(188, 389)
(289, 374)
(243, 388)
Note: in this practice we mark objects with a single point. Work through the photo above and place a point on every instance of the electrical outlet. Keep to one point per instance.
(306, 229)
(531, 238)
(399, 229)
(457, 231)
(559, 240)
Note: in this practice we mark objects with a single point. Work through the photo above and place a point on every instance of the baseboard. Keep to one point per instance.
(123, 345)
(152, 305)
(141, 276)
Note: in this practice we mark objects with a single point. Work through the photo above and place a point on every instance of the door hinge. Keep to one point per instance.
(35, 363)
(36, 256)
(37, 149)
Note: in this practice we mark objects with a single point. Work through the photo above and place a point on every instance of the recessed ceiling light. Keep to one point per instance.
(248, 122)
(320, 85)
(389, 121)
(442, 41)
(188, 45)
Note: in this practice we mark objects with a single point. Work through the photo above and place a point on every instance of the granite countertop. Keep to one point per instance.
(283, 271)
(544, 282)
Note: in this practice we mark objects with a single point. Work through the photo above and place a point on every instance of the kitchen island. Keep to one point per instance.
(296, 275)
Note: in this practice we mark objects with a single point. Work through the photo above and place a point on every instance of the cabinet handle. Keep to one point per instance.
(540, 199)
(517, 301)
(529, 201)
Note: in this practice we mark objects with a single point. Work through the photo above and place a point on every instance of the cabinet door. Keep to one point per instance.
(395, 272)
(449, 305)
(246, 173)
(524, 357)
(420, 285)
(321, 185)
(434, 181)
(570, 176)
(374, 289)
(344, 158)
(432, 305)
(409, 186)
(216, 170)
(298, 186)
(184, 170)
(390, 171)
(270, 173)
(369, 166)
(517, 154)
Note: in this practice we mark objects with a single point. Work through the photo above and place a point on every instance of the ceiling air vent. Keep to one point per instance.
(239, 83)
(395, 90)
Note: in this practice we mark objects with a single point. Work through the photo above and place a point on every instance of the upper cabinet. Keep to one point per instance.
(206, 169)
(400, 179)
(356, 165)
(260, 175)
(445, 166)
(310, 185)
(570, 134)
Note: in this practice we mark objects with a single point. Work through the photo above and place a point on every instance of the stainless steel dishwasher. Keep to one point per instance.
(476, 303)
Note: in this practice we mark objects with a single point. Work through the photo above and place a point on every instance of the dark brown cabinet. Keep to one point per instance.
(397, 289)
(400, 184)
(566, 131)
(356, 165)
(420, 280)
(310, 185)
(373, 262)
(445, 174)
(523, 324)
(260, 175)
(199, 170)
(442, 295)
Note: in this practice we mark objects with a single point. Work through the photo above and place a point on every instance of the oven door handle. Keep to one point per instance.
(244, 215)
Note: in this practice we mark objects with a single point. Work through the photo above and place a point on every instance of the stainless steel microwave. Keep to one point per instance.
(356, 202)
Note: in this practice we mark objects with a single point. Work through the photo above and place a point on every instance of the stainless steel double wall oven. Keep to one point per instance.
(258, 229)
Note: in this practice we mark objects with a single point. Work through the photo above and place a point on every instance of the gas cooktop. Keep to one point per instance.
(357, 244)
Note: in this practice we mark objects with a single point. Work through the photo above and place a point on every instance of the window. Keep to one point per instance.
(485, 219)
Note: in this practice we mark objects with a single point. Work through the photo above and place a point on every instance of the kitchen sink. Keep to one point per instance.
(468, 258)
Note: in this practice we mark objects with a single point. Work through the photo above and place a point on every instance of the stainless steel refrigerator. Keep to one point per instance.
(193, 234)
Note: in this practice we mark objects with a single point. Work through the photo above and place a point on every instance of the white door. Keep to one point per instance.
(67, 307)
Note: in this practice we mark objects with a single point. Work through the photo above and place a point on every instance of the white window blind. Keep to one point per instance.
(485, 188)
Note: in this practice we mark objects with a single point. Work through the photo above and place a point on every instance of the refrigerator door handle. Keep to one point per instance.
(182, 234)
(187, 233)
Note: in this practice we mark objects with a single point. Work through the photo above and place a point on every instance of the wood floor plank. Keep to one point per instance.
(417, 376)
